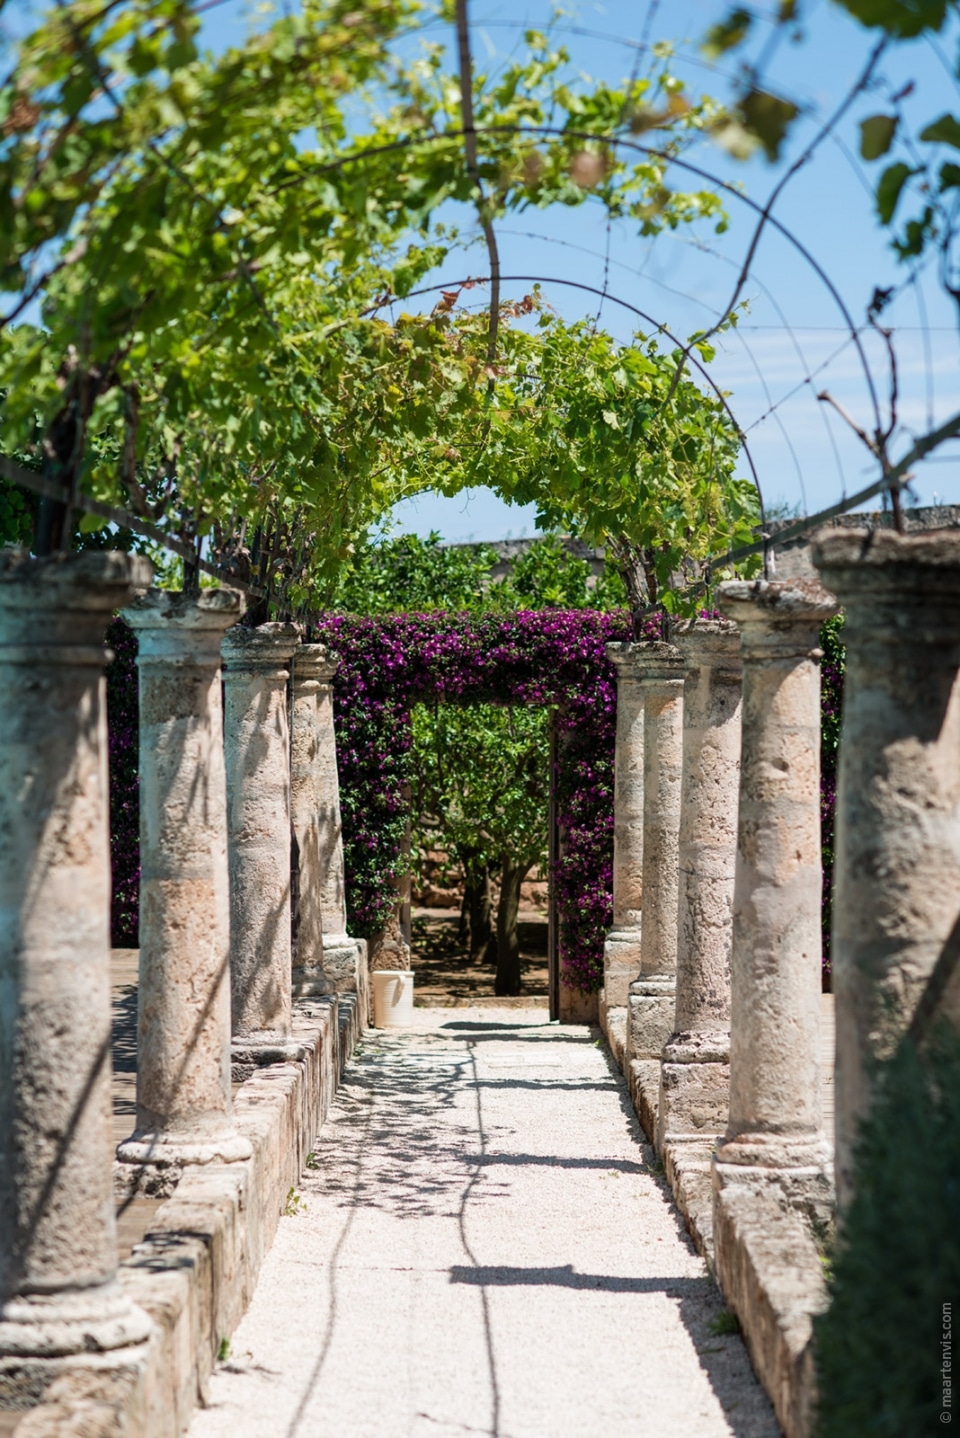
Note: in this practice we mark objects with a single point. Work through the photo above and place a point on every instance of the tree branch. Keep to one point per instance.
(473, 170)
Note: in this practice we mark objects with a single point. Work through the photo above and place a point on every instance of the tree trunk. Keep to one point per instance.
(508, 941)
(479, 921)
(463, 928)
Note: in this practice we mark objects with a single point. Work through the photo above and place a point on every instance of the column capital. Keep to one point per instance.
(74, 592)
(656, 662)
(894, 575)
(93, 580)
(706, 641)
(184, 628)
(623, 654)
(777, 616)
(267, 647)
(315, 661)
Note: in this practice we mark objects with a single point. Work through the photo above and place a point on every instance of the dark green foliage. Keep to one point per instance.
(901, 19)
(548, 576)
(878, 1346)
(17, 510)
(413, 575)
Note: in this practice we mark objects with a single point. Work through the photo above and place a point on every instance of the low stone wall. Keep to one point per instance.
(761, 1250)
(772, 1279)
(197, 1267)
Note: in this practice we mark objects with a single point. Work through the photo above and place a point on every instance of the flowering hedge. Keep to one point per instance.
(554, 657)
(831, 711)
(123, 718)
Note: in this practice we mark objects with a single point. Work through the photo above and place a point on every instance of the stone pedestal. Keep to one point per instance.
(897, 865)
(257, 747)
(344, 958)
(184, 1106)
(313, 669)
(59, 1299)
(694, 1077)
(653, 994)
(774, 1130)
(621, 951)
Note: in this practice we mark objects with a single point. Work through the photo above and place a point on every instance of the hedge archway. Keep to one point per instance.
(548, 657)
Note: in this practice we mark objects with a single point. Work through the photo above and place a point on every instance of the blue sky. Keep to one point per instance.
(793, 341)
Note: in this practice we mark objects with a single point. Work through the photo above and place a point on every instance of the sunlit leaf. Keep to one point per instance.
(945, 131)
(768, 117)
(730, 32)
(890, 188)
(876, 135)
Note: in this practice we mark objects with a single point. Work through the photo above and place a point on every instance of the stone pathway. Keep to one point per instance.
(483, 1247)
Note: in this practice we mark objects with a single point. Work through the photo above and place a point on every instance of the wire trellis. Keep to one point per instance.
(877, 436)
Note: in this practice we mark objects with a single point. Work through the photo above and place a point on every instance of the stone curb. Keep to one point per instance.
(761, 1255)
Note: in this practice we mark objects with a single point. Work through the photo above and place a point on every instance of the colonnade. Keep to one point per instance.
(219, 820)
(738, 1078)
(715, 953)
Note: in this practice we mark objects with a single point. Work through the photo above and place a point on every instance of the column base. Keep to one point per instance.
(621, 965)
(652, 1014)
(100, 1319)
(775, 1151)
(163, 1149)
(249, 1052)
(798, 1168)
(311, 984)
(694, 1087)
(342, 962)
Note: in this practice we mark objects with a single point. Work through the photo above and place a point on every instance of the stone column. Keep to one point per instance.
(257, 745)
(897, 866)
(653, 994)
(344, 958)
(694, 1077)
(775, 1127)
(184, 1105)
(58, 1251)
(621, 951)
(314, 668)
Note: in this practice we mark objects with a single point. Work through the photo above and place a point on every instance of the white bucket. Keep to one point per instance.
(392, 998)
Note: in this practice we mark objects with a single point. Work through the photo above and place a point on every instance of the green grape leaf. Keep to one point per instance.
(876, 135)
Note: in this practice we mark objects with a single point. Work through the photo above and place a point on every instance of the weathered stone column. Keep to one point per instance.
(897, 865)
(344, 958)
(694, 1077)
(313, 668)
(653, 994)
(184, 1105)
(257, 746)
(58, 1252)
(621, 951)
(775, 1128)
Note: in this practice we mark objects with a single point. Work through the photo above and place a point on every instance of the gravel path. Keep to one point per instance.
(483, 1248)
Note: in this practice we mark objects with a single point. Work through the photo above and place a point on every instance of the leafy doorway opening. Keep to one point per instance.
(479, 790)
